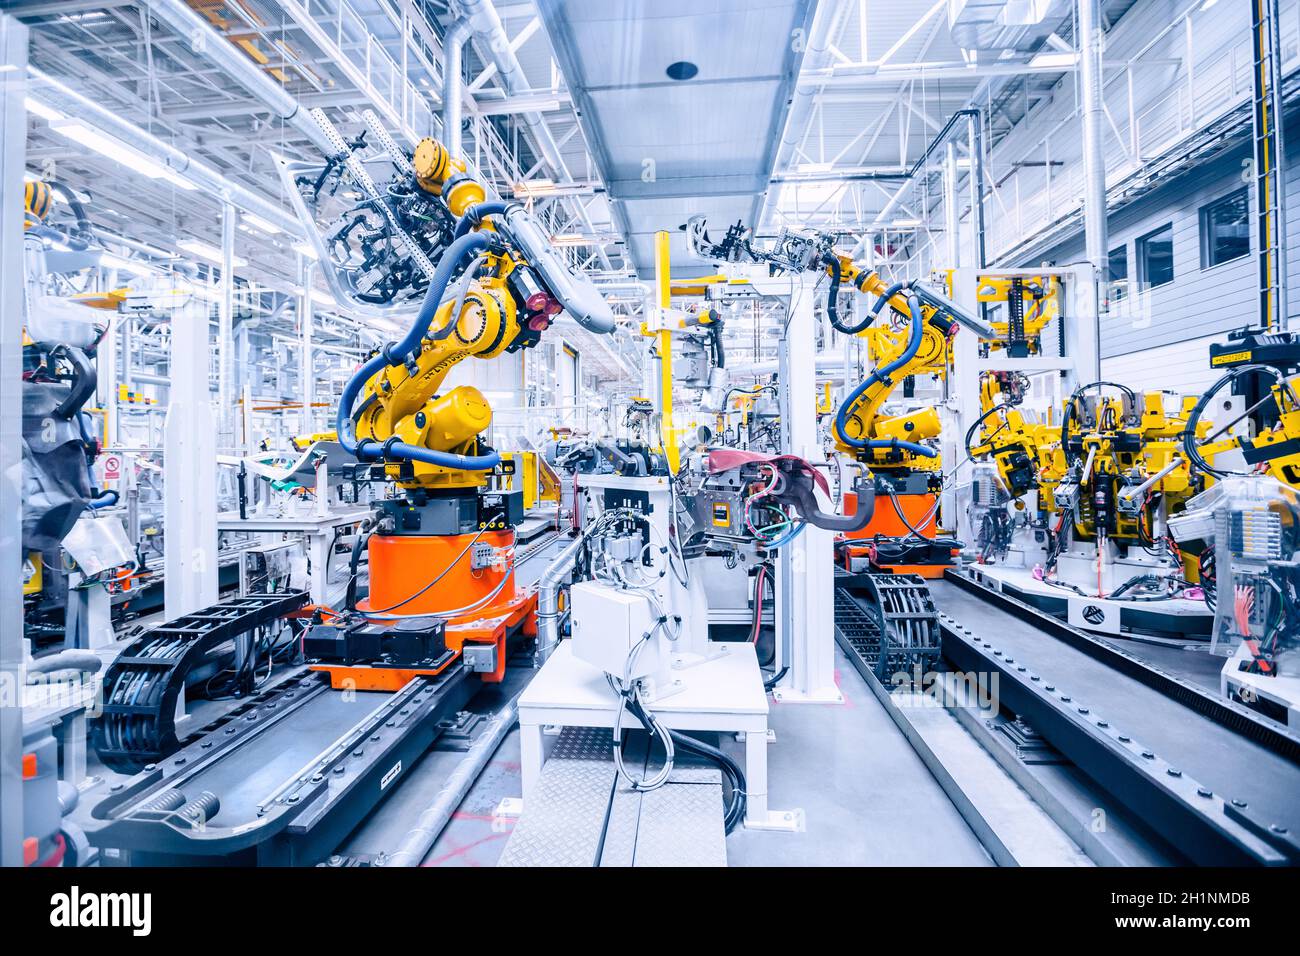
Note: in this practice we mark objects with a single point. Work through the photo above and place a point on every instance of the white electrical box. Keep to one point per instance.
(607, 622)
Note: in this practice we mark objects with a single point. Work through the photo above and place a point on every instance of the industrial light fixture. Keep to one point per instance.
(211, 253)
(118, 151)
(260, 224)
(305, 249)
(44, 111)
(1055, 59)
(905, 224)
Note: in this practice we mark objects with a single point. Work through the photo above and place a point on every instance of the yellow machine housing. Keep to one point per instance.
(406, 404)
(884, 345)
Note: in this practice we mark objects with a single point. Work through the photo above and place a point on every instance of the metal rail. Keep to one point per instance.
(1213, 781)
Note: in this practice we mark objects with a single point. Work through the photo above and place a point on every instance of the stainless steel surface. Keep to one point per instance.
(564, 821)
(1208, 752)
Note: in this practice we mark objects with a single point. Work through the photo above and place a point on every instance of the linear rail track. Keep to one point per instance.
(1215, 785)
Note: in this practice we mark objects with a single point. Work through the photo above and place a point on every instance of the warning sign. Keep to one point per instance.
(112, 468)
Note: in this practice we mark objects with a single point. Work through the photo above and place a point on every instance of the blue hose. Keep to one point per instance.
(398, 353)
(882, 375)
(885, 296)
(105, 499)
(456, 252)
(477, 213)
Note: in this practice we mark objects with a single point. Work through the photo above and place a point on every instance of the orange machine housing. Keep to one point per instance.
(400, 565)
(886, 522)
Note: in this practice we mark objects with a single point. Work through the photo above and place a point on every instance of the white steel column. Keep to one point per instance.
(806, 568)
(951, 217)
(13, 147)
(190, 457)
(226, 333)
(306, 356)
(1096, 239)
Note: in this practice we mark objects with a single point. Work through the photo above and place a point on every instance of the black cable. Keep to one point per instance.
(832, 262)
(970, 432)
(354, 564)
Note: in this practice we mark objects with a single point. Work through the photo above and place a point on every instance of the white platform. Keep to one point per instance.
(723, 694)
(318, 530)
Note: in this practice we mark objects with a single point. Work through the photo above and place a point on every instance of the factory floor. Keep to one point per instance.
(867, 798)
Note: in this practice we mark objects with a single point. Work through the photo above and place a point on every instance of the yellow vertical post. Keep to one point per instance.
(663, 290)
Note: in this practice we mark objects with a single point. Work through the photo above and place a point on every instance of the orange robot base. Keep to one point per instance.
(401, 569)
(891, 521)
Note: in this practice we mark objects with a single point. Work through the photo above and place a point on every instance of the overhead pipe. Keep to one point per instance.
(485, 24)
(453, 85)
(70, 101)
(208, 43)
(827, 23)
(1096, 238)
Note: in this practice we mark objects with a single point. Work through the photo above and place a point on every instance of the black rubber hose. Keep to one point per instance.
(1189, 431)
(715, 332)
(832, 262)
(970, 432)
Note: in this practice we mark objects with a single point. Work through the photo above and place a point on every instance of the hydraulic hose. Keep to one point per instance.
(881, 302)
(832, 262)
(398, 353)
(477, 213)
(882, 375)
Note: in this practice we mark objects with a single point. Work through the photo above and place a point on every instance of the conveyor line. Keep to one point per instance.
(1218, 789)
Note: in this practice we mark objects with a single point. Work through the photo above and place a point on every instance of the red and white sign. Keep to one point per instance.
(112, 468)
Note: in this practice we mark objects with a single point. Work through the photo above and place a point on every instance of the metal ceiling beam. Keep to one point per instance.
(178, 161)
(207, 42)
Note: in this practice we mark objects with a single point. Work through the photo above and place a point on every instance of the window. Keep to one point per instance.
(1225, 229)
(1155, 257)
(1118, 272)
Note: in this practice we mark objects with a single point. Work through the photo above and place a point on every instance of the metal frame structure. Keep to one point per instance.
(13, 116)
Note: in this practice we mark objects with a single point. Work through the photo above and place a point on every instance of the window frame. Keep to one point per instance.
(1203, 225)
(1140, 246)
(1122, 249)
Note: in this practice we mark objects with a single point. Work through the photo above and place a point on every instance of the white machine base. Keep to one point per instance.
(1099, 615)
(827, 695)
(721, 694)
(1282, 691)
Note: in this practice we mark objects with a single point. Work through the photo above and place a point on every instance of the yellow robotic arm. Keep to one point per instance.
(922, 347)
(1019, 449)
(509, 286)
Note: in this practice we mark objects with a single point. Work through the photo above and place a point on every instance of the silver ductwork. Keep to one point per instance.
(485, 23)
(1020, 25)
(453, 85)
(68, 100)
(211, 45)
(827, 24)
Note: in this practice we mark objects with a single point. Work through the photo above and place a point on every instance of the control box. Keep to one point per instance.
(608, 622)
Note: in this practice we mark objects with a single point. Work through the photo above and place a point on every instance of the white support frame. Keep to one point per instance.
(13, 147)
